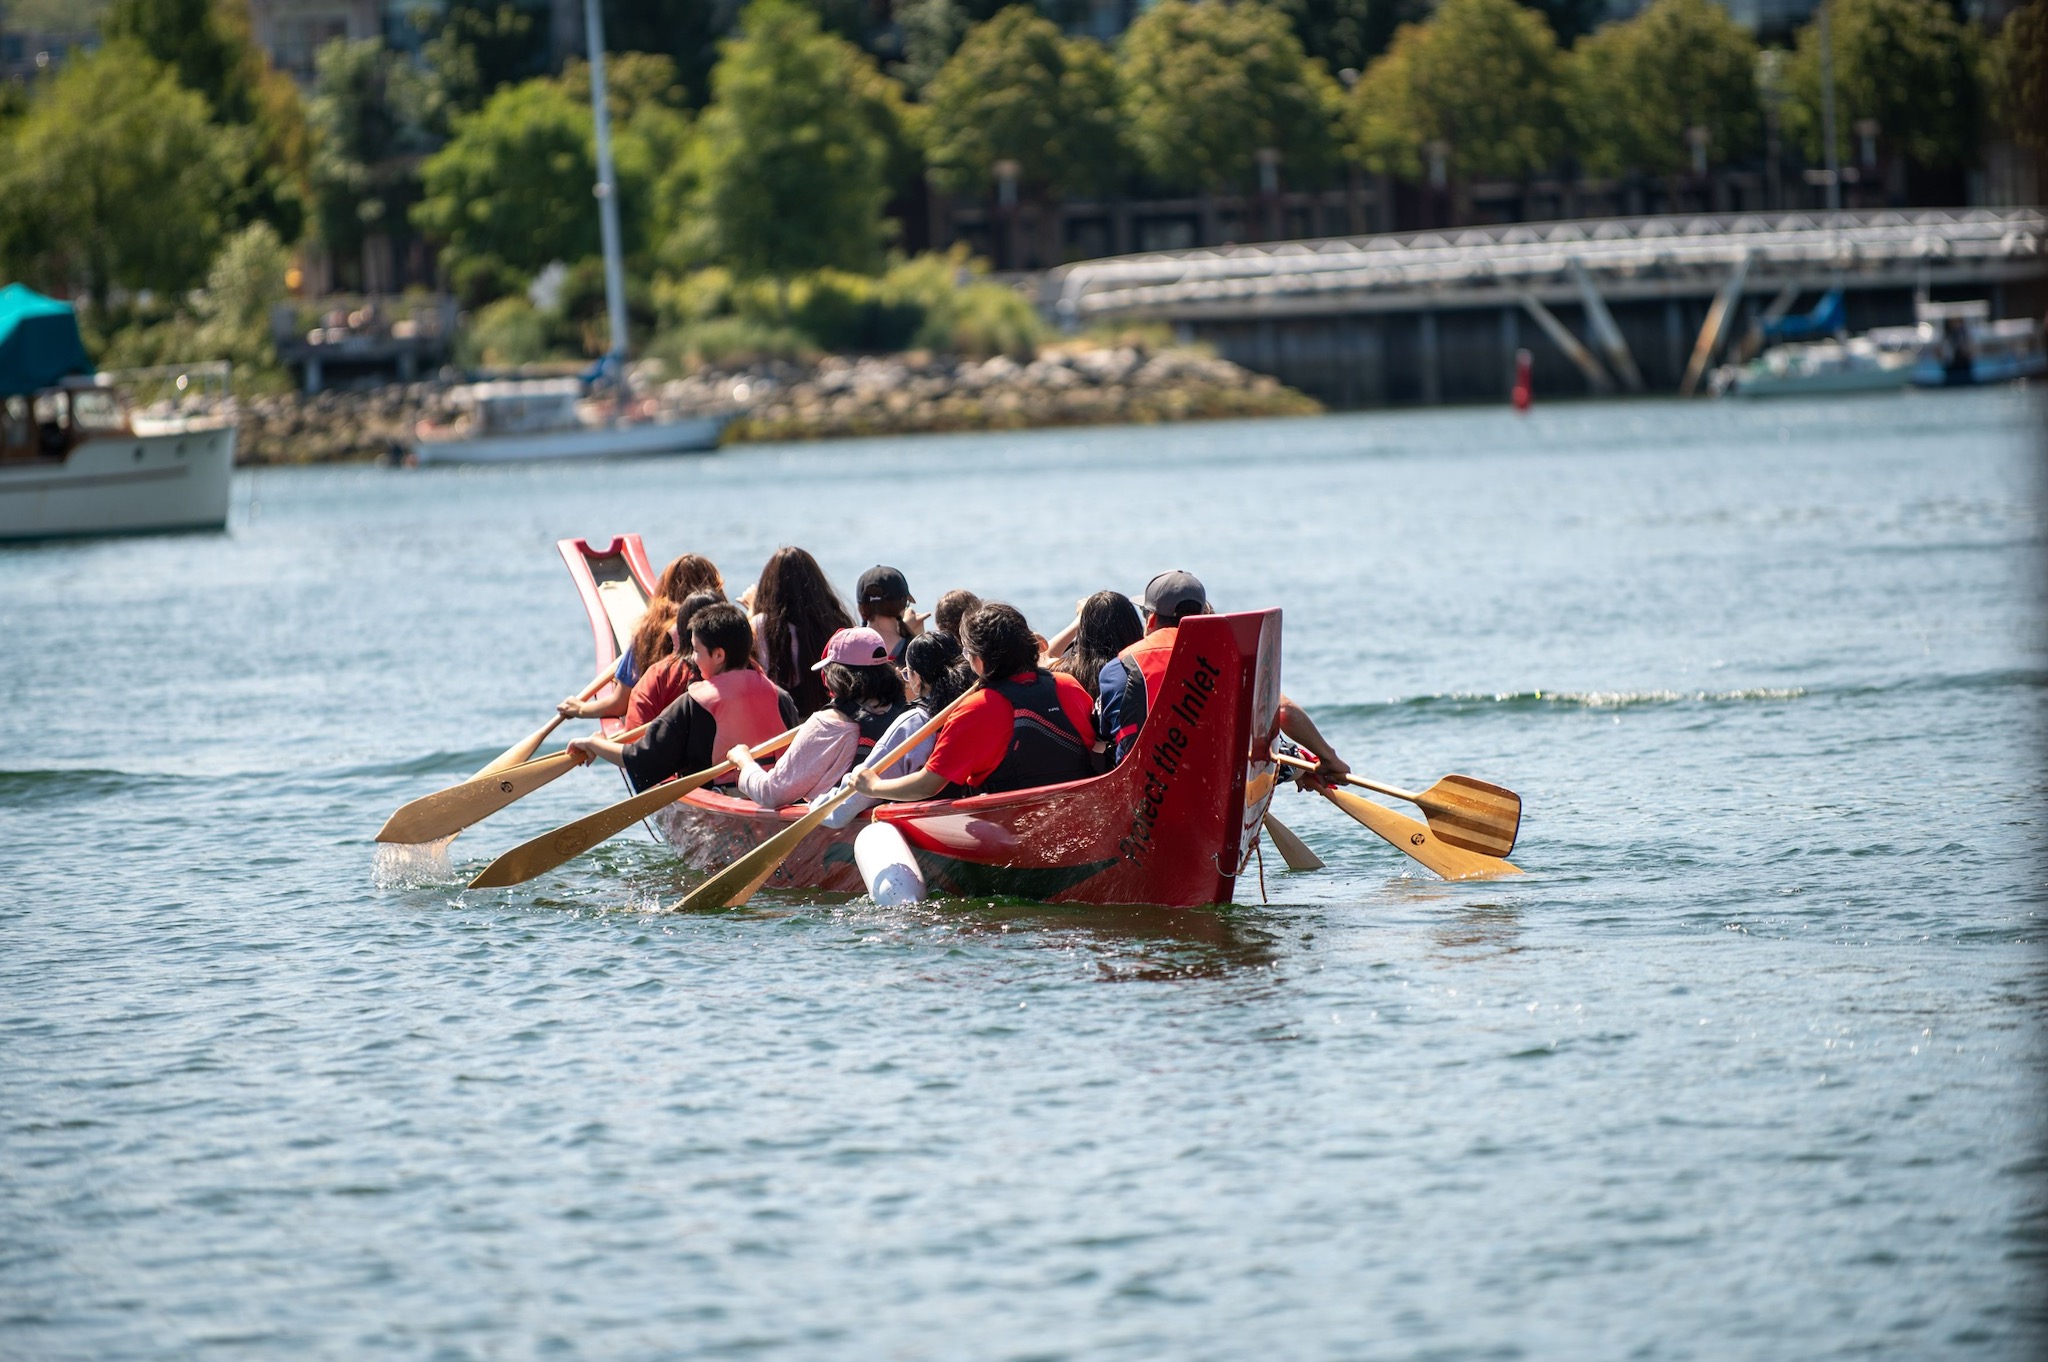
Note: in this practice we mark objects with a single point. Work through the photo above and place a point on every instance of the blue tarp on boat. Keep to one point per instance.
(1828, 318)
(39, 345)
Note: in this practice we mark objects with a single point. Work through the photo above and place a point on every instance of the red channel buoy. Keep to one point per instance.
(1524, 393)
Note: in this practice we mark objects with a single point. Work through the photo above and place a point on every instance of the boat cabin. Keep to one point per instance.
(519, 406)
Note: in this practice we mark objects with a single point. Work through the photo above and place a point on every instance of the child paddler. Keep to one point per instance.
(866, 697)
(1023, 728)
(733, 703)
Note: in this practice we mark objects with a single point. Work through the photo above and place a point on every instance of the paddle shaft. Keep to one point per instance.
(1298, 764)
(737, 883)
(538, 855)
(520, 751)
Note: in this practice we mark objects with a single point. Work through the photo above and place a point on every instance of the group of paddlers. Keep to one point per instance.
(707, 679)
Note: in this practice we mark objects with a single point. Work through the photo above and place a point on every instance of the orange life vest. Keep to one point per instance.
(746, 706)
(1145, 664)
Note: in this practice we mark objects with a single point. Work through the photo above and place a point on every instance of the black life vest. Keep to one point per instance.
(873, 724)
(1045, 747)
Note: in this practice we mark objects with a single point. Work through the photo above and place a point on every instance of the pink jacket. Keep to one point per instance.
(822, 750)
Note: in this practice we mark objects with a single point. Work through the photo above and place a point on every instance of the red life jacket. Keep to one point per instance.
(746, 706)
(1045, 747)
(1145, 664)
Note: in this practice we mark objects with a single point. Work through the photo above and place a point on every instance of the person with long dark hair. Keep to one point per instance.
(796, 612)
(1106, 624)
(1022, 727)
(864, 697)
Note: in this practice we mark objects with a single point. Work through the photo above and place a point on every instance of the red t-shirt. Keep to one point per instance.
(661, 686)
(976, 737)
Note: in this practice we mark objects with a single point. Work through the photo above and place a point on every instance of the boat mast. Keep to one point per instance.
(607, 191)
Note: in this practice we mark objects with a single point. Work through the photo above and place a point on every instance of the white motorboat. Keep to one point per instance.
(522, 419)
(1873, 363)
(1964, 346)
(84, 454)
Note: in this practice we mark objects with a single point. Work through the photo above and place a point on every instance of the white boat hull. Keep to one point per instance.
(1837, 381)
(167, 476)
(602, 442)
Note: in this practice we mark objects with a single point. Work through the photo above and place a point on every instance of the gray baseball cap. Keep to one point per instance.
(1171, 593)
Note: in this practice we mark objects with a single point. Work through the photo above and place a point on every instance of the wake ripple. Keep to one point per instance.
(1539, 701)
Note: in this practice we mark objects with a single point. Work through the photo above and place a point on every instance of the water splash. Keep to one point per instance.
(412, 865)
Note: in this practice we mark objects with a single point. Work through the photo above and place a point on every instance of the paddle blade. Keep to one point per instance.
(1292, 849)
(738, 882)
(447, 812)
(541, 854)
(1473, 814)
(1416, 841)
(538, 855)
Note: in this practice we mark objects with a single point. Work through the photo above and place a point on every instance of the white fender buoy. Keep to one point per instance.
(888, 866)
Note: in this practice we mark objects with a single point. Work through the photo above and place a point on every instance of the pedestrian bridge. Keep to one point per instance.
(1437, 316)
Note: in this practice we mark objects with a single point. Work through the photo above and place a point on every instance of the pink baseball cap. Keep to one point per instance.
(854, 648)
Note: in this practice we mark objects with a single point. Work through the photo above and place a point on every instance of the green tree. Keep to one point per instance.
(1637, 88)
(205, 41)
(373, 113)
(478, 48)
(1481, 77)
(209, 45)
(1348, 34)
(115, 179)
(787, 171)
(2016, 75)
(512, 189)
(1018, 90)
(1908, 64)
(687, 32)
(1206, 86)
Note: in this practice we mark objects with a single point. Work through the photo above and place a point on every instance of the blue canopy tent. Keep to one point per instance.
(39, 345)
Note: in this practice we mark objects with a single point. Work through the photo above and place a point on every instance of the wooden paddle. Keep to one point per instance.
(1292, 849)
(447, 812)
(525, 748)
(735, 884)
(541, 854)
(1462, 812)
(1417, 841)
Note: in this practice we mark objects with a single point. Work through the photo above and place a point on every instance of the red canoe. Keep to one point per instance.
(1174, 824)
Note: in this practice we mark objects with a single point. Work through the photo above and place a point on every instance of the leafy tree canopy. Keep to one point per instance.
(1908, 64)
(2016, 75)
(512, 190)
(116, 178)
(1348, 34)
(1636, 88)
(1481, 76)
(1207, 85)
(788, 170)
(1017, 90)
(479, 48)
(205, 41)
(371, 110)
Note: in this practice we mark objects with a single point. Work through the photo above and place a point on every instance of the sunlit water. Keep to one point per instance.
(1747, 1066)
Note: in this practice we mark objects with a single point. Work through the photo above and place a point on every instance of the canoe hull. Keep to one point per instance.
(1172, 825)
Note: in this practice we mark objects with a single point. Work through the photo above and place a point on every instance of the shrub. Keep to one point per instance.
(508, 332)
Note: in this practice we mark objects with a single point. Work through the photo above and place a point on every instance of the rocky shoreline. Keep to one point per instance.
(836, 397)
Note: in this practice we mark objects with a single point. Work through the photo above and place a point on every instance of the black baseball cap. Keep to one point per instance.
(882, 584)
(1171, 593)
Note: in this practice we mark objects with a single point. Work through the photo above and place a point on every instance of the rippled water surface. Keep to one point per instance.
(1749, 1065)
